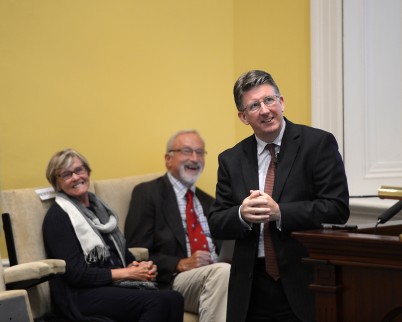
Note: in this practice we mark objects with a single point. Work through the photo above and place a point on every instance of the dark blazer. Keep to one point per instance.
(154, 222)
(310, 188)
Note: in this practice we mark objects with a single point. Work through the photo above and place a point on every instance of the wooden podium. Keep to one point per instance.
(357, 274)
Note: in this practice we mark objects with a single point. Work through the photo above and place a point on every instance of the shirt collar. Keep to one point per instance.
(278, 140)
(179, 188)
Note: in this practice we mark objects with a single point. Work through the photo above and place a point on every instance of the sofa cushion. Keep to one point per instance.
(116, 193)
(27, 212)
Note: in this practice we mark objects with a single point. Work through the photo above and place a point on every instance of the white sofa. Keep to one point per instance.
(26, 212)
(14, 304)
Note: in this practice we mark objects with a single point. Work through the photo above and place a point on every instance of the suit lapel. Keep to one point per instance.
(287, 155)
(250, 164)
(171, 213)
(204, 204)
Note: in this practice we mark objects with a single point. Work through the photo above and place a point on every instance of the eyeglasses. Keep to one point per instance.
(66, 175)
(267, 101)
(188, 152)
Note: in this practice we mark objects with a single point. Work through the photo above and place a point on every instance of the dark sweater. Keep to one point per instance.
(61, 242)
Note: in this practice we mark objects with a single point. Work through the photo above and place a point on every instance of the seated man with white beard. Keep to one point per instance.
(168, 216)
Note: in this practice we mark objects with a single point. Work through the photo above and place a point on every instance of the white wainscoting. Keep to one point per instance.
(356, 72)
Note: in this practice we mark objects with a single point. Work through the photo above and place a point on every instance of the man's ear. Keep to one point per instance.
(168, 158)
(242, 117)
(282, 101)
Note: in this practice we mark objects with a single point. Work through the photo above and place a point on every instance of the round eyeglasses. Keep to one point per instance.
(267, 101)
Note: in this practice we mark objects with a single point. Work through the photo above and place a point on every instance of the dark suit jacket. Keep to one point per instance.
(310, 188)
(154, 222)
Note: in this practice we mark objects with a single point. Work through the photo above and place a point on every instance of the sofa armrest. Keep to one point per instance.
(14, 306)
(140, 253)
(57, 266)
(26, 271)
(26, 275)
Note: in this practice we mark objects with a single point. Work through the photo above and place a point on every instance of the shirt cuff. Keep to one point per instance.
(245, 224)
(279, 223)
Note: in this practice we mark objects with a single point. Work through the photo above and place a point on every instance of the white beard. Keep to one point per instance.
(189, 179)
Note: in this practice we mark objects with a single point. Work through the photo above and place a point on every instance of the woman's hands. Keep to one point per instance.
(138, 271)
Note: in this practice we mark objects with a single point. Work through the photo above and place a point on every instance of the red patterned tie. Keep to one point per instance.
(271, 263)
(196, 236)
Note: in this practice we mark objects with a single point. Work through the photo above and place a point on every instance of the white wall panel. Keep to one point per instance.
(356, 59)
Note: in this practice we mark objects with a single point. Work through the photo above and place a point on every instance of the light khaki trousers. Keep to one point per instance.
(205, 291)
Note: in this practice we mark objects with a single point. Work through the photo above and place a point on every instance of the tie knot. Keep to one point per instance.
(271, 148)
(189, 195)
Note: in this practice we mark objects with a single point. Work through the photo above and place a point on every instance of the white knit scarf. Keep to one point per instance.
(88, 227)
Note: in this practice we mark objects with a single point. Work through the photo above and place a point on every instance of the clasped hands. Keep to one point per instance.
(259, 207)
(141, 271)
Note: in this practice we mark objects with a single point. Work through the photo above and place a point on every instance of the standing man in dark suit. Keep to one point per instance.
(157, 219)
(268, 281)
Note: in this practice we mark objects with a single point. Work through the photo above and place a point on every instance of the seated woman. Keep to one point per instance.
(83, 231)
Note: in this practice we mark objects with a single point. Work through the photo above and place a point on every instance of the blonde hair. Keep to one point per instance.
(61, 160)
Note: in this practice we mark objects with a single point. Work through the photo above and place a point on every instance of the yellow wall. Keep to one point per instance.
(275, 36)
(114, 79)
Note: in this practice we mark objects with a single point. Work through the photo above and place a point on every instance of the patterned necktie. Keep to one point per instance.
(196, 236)
(271, 264)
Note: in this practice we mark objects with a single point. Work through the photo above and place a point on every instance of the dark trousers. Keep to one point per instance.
(268, 302)
(125, 304)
